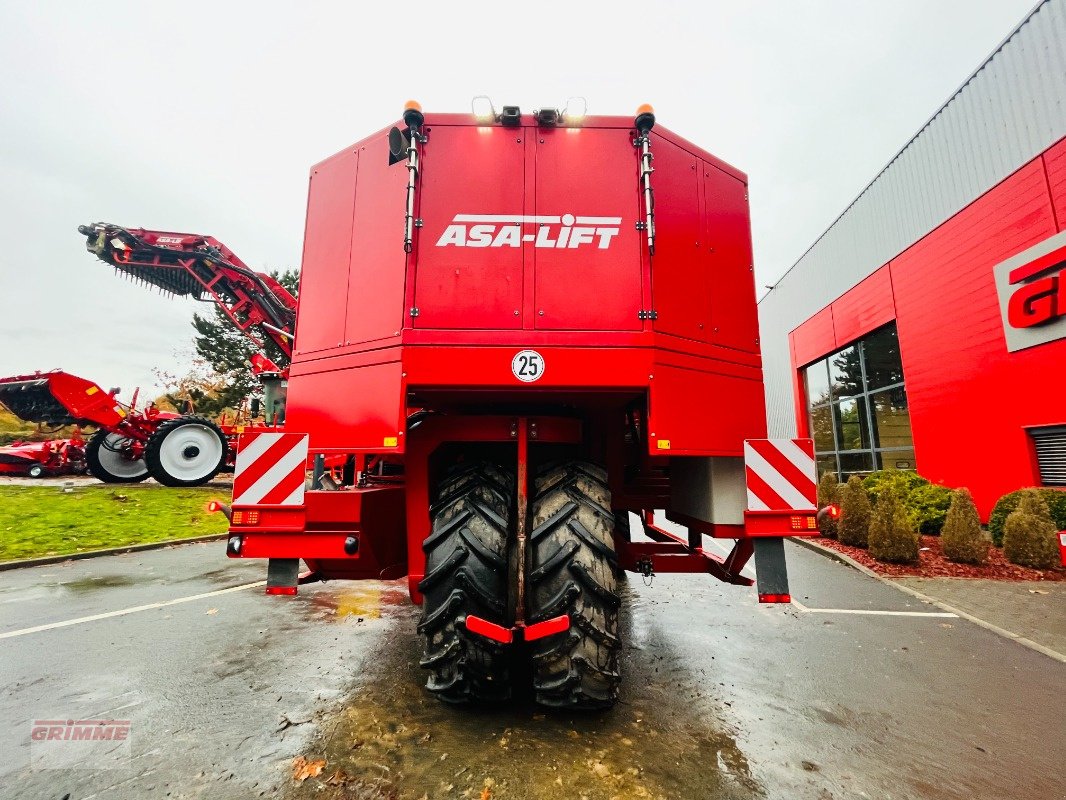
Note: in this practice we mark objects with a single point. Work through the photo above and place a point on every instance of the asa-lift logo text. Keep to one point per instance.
(504, 230)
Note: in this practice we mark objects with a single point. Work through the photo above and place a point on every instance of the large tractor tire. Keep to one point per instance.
(105, 460)
(186, 451)
(466, 573)
(573, 571)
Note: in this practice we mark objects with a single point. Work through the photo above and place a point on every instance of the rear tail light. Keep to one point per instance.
(282, 590)
(215, 506)
(775, 598)
(245, 518)
(803, 523)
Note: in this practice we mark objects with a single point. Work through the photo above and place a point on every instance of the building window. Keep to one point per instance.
(857, 407)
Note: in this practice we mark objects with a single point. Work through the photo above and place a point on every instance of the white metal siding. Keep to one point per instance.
(1009, 111)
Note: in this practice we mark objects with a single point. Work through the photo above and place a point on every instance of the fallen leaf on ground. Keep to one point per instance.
(302, 769)
(212, 611)
(337, 778)
(486, 793)
(1038, 591)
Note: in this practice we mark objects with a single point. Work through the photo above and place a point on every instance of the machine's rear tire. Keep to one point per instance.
(573, 571)
(466, 573)
(104, 460)
(35, 471)
(186, 451)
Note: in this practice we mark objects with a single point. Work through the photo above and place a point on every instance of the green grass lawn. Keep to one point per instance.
(43, 520)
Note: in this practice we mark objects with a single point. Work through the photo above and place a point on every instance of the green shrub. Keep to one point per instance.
(926, 503)
(1056, 502)
(892, 537)
(903, 481)
(962, 537)
(828, 494)
(928, 507)
(1029, 536)
(855, 511)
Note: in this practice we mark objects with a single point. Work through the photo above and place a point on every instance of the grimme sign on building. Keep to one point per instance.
(1032, 294)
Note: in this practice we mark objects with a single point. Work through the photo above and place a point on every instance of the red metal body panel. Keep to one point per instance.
(375, 307)
(726, 248)
(320, 318)
(588, 172)
(674, 428)
(476, 283)
(967, 416)
(350, 404)
(681, 281)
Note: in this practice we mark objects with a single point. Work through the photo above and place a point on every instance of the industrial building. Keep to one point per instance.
(926, 328)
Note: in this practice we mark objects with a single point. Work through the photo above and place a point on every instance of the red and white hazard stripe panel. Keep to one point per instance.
(270, 469)
(781, 474)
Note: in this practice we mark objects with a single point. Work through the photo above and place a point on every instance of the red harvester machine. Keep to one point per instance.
(201, 267)
(518, 333)
(37, 459)
(131, 443)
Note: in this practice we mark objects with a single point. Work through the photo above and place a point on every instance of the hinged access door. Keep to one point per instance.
(469, 244)
(734, 315)
(586, 253)
(681, 279)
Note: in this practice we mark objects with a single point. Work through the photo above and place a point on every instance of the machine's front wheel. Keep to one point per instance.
(466, 574)
(186, 451)
(35, 471)
(107, 459)
(573, 571)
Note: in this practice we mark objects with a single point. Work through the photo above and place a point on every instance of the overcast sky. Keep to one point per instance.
(205, 117)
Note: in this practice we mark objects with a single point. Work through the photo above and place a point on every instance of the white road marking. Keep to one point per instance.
(870, 612)
(122, 612)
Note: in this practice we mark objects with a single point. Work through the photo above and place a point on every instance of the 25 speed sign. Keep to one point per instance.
(528, 366)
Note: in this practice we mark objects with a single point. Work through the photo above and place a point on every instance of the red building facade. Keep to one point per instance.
(978, 306)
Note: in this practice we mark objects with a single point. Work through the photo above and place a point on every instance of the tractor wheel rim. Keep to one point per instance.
(114, 457)
(190, 452)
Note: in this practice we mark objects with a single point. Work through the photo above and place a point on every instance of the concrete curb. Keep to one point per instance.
(828, 552)
(111, 551)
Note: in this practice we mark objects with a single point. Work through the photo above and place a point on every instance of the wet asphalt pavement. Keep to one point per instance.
(722, 698)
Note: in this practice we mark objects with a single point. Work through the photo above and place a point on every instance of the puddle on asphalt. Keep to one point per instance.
(102, 582)
(666, 738)
(362, 601)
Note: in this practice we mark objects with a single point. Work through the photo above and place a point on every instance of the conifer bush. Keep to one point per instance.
(962, 538)
(1029, 536)
(1056, 503)
(828, 495)
(853, 527)
(892, 536)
